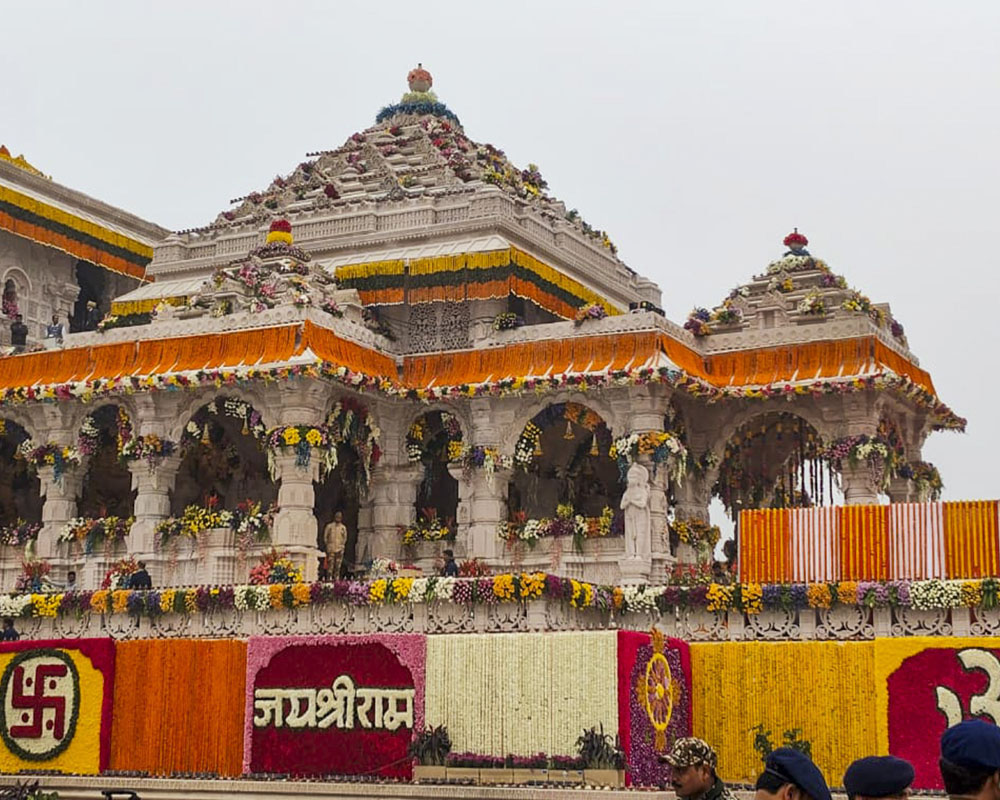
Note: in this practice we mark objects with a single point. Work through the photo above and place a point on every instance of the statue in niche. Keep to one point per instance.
(635, 504)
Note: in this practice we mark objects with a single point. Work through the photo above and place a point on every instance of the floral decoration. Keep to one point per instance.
(276, 569)
(428, 529)
(151, 448)
(590, 312)
(392, 662)
(20, 533)
(58, 457)
(565, 523)
(92, 533)
(812, 304)
(507, 321)
(195, 521)
(662, 447)
(116, 581)
(528, 445)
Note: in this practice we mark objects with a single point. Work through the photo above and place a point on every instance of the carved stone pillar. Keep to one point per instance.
(295, 526)
(901, 491)
(59, 505)
(857, 484)
(487, 508)
(693, 496)
(152, 502)
(393, 495)
(463, 512)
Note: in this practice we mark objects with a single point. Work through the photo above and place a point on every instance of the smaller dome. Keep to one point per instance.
(280, 231)
(795, 240)
(419, 79)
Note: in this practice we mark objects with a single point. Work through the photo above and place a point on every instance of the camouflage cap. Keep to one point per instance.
(689, 751)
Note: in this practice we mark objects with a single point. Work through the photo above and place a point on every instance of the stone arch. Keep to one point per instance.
(223, 456)
(433, 440)
(20, 489)
(562, 457)
(749, 412)
(773, 459)
(107, 482)
(197, 400)
(529, 411)
(415, 413)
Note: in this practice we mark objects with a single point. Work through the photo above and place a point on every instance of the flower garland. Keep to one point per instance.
(507, 321)
(882, 458)
(663, 447)
(812, 304)
(95, 532)
(695, 532)
(529, 443)
(428, 529)
(565, 523)
(253, 423)
(50, 455)
(588, 313)
(116, 581)
(926, 480)
(275, 570)
(150, 447)
(302, 440)
(252, 523)
(20, 533)
(748, 598)
(424, 433)
(192, 523)
(349, 422)
(700, 321)
(488, 459)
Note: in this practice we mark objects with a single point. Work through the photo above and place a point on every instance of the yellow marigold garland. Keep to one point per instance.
(720, 598)
(276, 594)
(46, 605)
(119, 601)
(167, 600)
(818, 595)
(847, 593)
(972, 593)
(99, 601)
(753, 598)
(532, 585)
(301, 594)
(401, 587)
(503, 587)
(376, 592)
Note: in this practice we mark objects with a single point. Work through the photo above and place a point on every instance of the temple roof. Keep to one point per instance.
(35, 207)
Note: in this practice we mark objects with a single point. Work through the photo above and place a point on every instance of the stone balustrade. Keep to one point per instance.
(837, 624)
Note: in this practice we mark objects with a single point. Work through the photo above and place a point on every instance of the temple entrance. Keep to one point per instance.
(339, 491)
(222, 459)
(107, 484)
(92, 281)
(9, 306)
(433, 441)
(20, 489)
(562, 460)
(775, 461)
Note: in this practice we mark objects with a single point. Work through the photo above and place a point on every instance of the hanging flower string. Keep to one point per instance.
(50, 455)
(662, 447)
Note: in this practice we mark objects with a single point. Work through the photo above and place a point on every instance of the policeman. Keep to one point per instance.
(790, 775)
(693, 776)
(878, 777)
(970, 760)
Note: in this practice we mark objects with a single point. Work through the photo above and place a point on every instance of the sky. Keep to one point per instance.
(696, 134)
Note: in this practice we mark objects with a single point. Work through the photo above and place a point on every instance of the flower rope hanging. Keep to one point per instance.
(529, 444)
(349, 423)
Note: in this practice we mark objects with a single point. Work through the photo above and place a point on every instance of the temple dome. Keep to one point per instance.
(795, 290)
(416, 149)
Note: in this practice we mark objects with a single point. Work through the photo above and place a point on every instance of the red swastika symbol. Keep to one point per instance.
(37, 702)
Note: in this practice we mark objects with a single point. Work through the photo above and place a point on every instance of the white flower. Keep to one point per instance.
(418, 591)
(14, 606)
(443, 588)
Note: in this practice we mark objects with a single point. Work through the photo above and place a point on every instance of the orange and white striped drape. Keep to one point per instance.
(915, 541)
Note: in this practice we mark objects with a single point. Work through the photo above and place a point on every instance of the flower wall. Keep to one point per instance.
(55, 705)
(347, 705)
(522, 693)
(179, 706)
(654, 701)
(824, 688)
(871, 543)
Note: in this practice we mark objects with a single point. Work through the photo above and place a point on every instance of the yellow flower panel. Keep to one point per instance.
(824, 688)
(82, 755)
(522, 693)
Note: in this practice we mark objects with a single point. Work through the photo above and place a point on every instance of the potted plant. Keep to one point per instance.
(430, 747)
(603, 758)
(529, 769)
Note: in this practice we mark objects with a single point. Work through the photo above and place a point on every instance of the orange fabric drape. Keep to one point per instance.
(898, 364)
(765, 546)
(864, 543)
(178, 706)
(970, 539)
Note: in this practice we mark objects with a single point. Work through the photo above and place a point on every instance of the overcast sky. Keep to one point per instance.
(697, 134)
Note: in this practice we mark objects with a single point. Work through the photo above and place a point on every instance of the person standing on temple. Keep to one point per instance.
(140, 578)
(18, 334)
(334, 542)
(693, 763)
(970, 760)
(93, 317)
(54, 330)
(450, 568)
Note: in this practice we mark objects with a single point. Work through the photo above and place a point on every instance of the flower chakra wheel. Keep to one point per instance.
(656, 690)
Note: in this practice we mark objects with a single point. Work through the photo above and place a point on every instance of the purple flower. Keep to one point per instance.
(799, 595)
(771, 595)
(357, 593)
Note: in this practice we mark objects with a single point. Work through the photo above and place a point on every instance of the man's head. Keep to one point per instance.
(338, 517)
(791, 775)
(448, 554)
(55, 319)
(71, 576)
(17, 318)
(878, 777)
(142, 565)
(693, 762)
(970, 759)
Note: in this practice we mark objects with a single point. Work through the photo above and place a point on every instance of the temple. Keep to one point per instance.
(410, 332)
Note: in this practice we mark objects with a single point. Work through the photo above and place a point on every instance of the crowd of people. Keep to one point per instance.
(969, 765)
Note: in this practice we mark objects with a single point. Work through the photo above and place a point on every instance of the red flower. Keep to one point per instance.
(281, 225)
(795, 238)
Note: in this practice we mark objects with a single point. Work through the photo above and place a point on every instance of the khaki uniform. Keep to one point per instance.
(334, 541)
